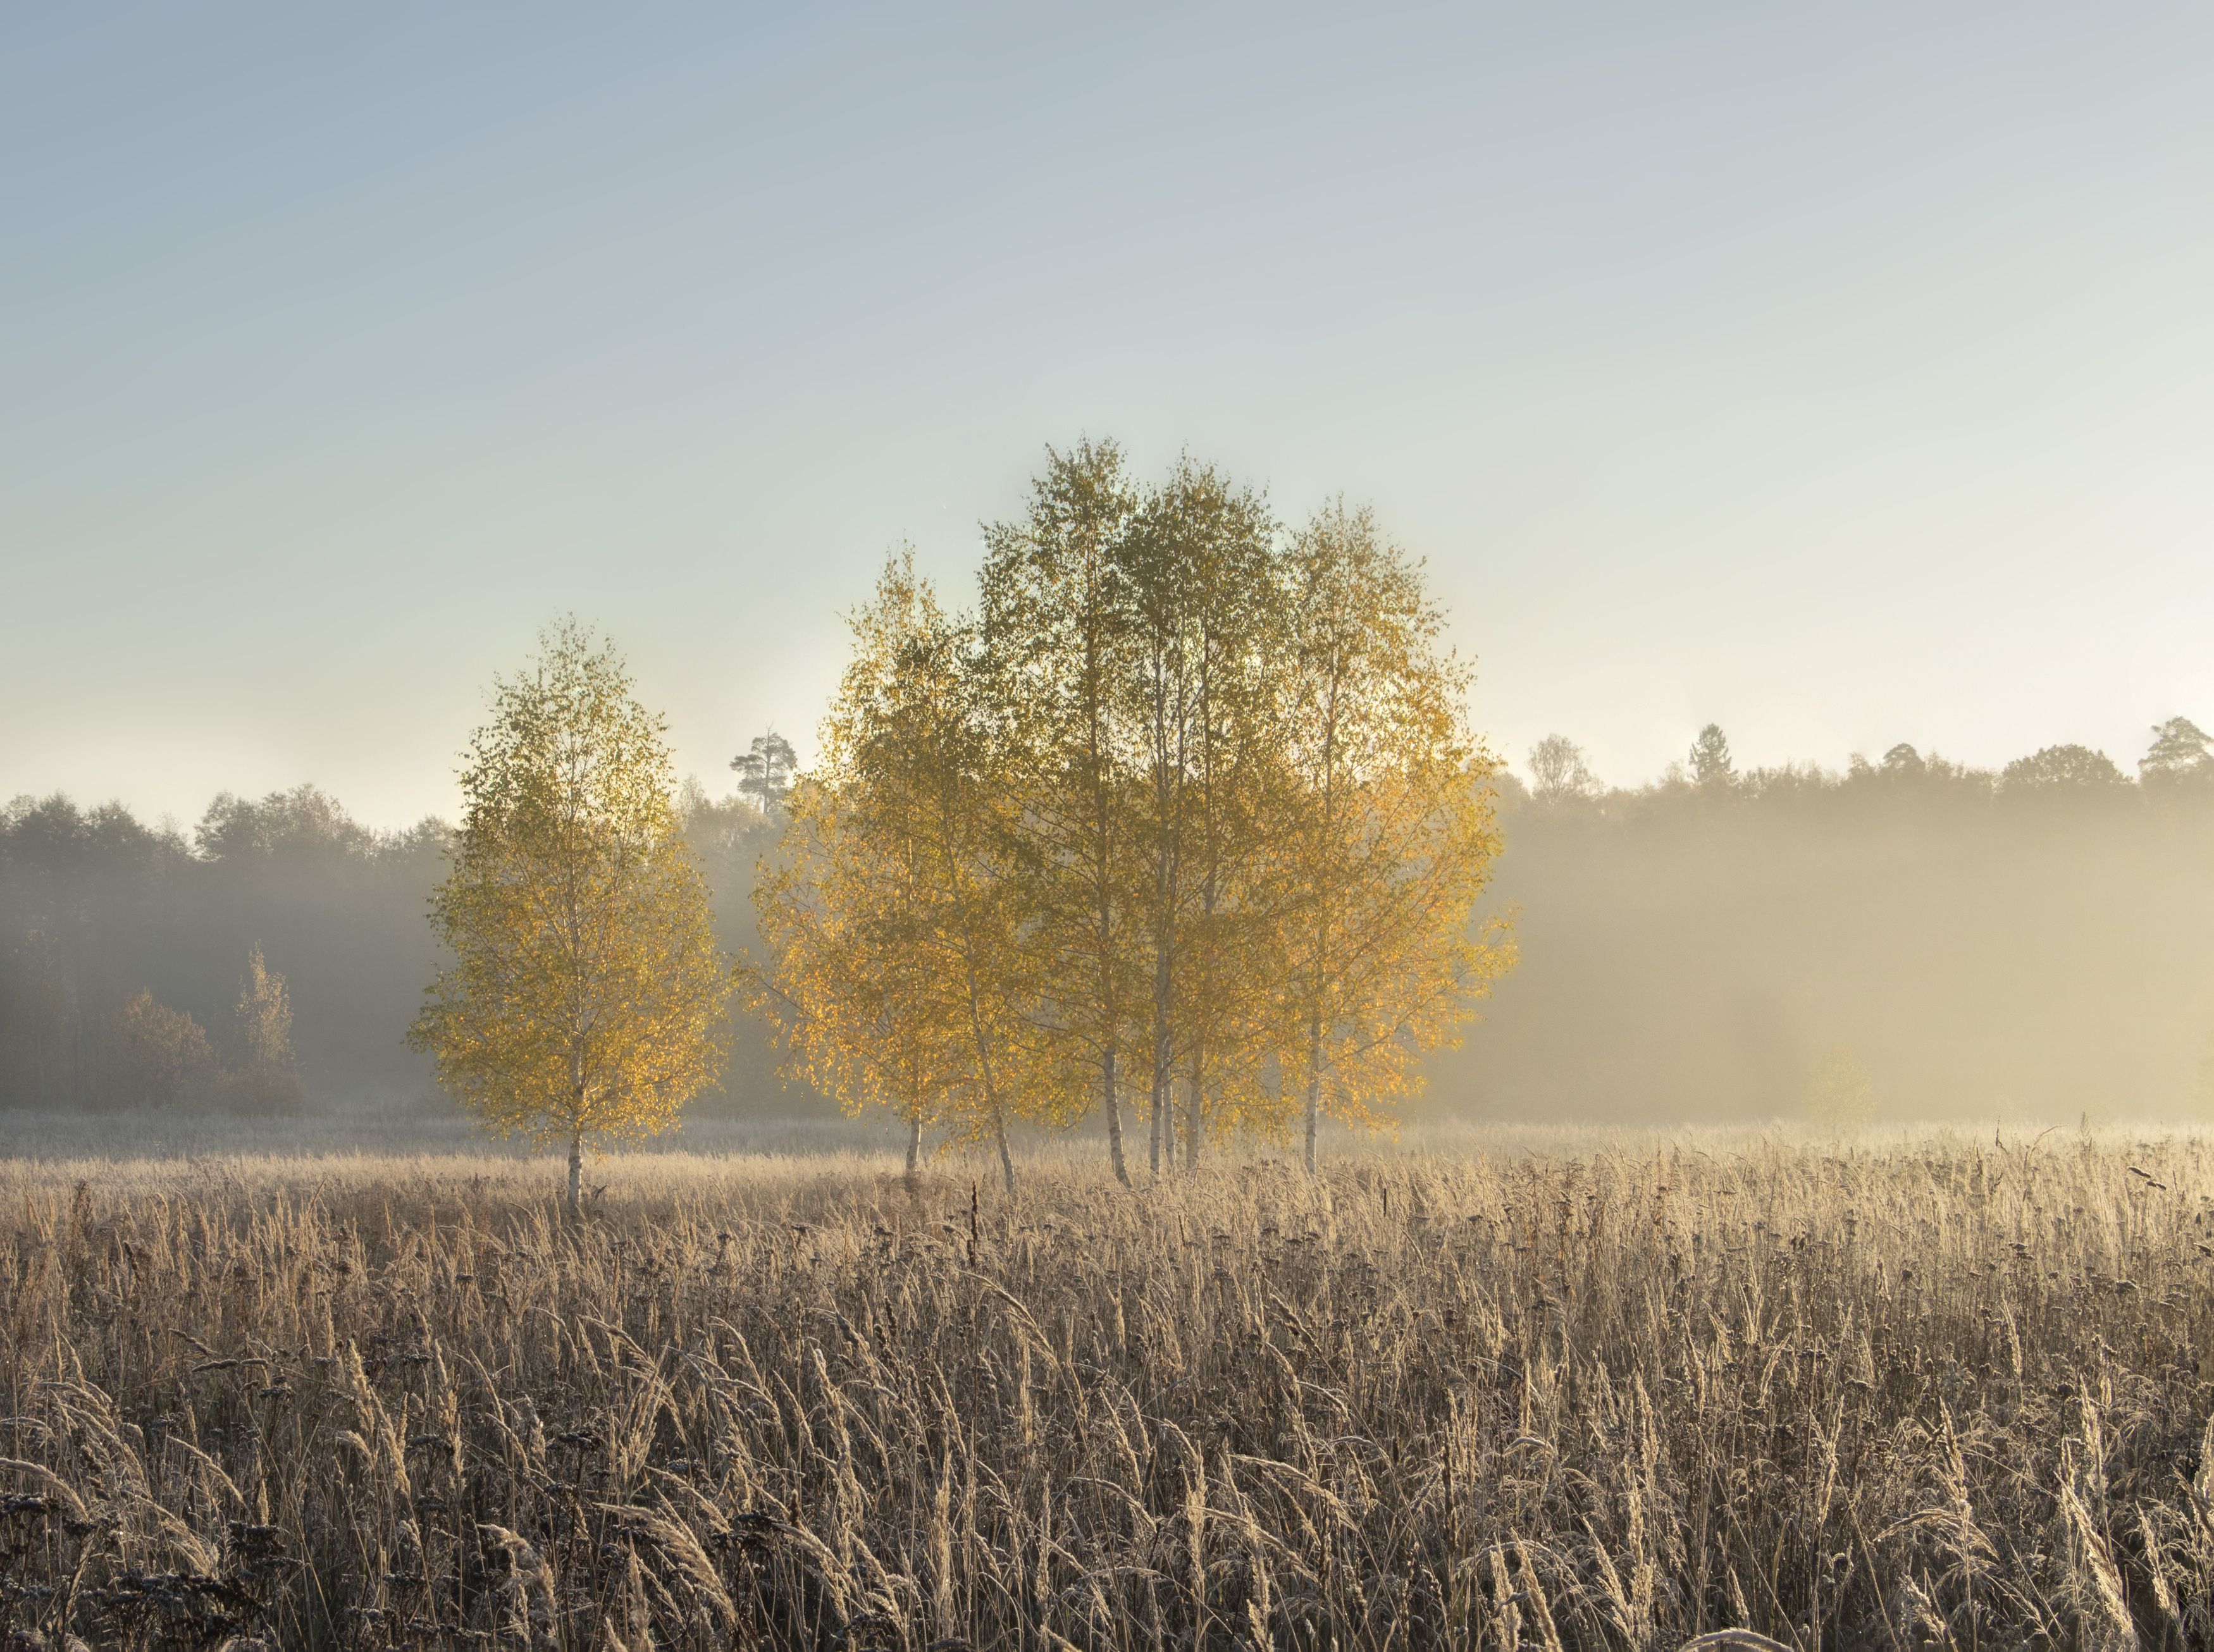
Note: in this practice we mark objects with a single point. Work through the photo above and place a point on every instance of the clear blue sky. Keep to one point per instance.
(1845, 374)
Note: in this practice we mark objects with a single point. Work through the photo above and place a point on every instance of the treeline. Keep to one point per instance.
(128, 952)
(2036, 940)
(2033, 941)
(1181, 819)
(2177, 769)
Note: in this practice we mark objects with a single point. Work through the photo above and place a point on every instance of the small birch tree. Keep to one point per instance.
(585, 999)
(839, 977)
(268, 1078)
(1391, 837)
(895, 968)
(1205, 679)
(845, 975)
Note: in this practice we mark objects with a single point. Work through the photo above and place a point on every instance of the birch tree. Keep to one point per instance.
(1208, 610)
(895, 933)
(1391, 836)
(841, 976)
(1057, 629)
(584, 1002)
(1184, 796)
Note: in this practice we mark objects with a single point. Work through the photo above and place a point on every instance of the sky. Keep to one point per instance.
(1844, 376)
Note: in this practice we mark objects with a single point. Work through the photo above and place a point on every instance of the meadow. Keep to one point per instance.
(1513, 1392)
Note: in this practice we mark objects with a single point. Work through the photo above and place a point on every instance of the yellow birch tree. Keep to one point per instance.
(268, 1078)
(895, 966)
(585, 1000)
(1389, 835)
(1206, 657)
(1186, 795)
(845, 976)
(1058, 629)
(839, 977)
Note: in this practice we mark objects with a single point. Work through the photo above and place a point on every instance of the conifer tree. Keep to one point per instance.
(1710, 758)
(2182, 754)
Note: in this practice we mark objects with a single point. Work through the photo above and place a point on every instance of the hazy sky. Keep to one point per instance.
(1846, 378)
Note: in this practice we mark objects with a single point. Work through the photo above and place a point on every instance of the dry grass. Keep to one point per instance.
(1888, 1397)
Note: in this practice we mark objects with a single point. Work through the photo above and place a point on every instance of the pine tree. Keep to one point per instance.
(1710, 758)
(765, 771)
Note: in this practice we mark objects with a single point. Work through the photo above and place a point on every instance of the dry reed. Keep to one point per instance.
(1943, 1394)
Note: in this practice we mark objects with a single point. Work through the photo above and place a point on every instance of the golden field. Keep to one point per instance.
(1561, 1394)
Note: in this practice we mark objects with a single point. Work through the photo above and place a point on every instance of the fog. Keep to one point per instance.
(2034, 945)
(96, 906)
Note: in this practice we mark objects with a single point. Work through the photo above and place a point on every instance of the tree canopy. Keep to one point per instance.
(765, 768)
(585, 994)
(1710, 758)
(1559, 770)
(1688, 951)
(2071, 767)
(1184, 819)
(2182, 753)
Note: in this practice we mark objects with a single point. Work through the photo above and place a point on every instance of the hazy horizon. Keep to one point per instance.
(718, 786)
(1839, 379)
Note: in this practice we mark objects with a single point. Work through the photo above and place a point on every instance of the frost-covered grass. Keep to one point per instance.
(1498, 1387)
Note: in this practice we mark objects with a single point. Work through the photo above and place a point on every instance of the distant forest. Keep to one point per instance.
(97, 907)
(2034, 942)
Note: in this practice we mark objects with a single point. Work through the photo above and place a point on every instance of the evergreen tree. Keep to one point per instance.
(765, 770)
(1710, 758)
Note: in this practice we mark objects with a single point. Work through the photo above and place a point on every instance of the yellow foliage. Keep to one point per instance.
(1185, 792)
(1391, 835)
(895, 972)
(585, 998)
(157, 1054)
(264, 1016)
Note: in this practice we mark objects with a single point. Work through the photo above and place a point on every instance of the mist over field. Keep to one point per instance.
(1135, 829)
(2035, 948)
(2026, 948)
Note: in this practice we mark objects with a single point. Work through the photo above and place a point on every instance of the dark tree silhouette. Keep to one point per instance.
(2180, 753)
(1560, 771)
(2070, 766)
(1710, 757)
(765, 770)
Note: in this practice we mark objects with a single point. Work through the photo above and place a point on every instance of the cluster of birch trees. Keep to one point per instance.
(1181, 821)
